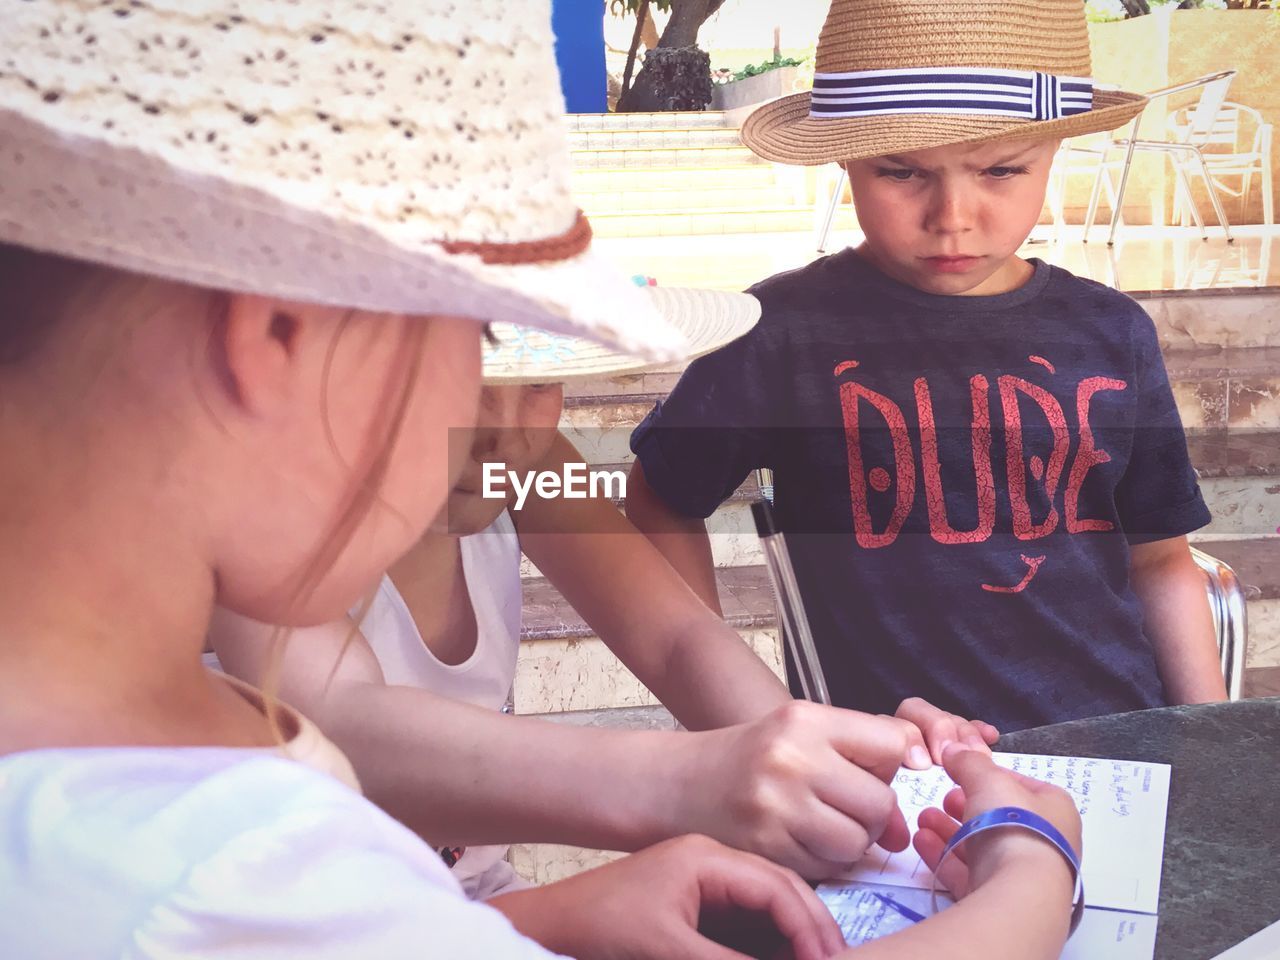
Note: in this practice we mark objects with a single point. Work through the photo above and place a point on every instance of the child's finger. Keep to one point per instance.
(917, 757)
(758, 887)
(967, 732)
(969, 768)
(897, 835)
(937, 822)
(937, 726)
(989, 733)
(954, 874)
(953, 803)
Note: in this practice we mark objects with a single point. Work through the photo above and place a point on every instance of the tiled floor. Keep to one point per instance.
(1144, 258)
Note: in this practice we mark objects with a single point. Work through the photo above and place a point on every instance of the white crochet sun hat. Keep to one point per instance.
(406, 156)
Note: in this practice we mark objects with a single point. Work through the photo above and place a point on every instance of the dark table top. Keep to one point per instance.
(1221, 878)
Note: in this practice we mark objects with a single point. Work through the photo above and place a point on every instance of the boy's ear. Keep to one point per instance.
(258, 340)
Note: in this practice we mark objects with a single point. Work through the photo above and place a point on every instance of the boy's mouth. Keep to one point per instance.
(956, 264)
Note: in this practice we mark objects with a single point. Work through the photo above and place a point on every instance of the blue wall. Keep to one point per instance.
(579, 29)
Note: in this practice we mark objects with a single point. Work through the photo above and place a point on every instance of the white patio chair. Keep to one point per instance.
(1081, 155)
(1213, 93)
(1227, 155)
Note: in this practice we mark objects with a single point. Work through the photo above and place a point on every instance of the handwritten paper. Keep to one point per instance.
(1122, 806)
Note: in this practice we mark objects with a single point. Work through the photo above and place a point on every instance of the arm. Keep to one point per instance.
(804, 786)
(1178, 622)
(683, 541)
(522, 776)
(695, 663)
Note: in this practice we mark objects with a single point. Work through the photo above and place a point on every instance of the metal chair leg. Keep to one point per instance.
(1182, 185)
(1091, 212)
(1124, 182)
(1213, 195)
(834, 205)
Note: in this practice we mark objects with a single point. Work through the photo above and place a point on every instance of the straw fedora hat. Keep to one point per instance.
(893, 76)
(400, 157)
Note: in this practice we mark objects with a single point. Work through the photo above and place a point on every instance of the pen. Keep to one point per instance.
(899, 907)
(795, 625)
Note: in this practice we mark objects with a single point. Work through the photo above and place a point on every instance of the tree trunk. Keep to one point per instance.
(674, 84)
(642, 15)
(687, 18)
(1136, 8)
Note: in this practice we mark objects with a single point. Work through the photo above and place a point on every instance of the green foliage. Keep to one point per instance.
(773, 63)
(626, 8)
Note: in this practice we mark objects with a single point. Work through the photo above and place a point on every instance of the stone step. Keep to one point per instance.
(655, 138)
(682, 222)
(591, 183)
(690, 120)
(644, 159)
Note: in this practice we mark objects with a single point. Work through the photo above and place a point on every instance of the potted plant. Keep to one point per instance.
(756, 83)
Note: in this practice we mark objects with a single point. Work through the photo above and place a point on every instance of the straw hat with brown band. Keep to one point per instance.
(892, 76)
(400, 157)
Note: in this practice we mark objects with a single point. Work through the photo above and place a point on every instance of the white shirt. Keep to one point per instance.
(491, 572)
(201, 852)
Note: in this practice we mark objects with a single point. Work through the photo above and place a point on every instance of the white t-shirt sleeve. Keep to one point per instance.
(164, 854)
(323, 889)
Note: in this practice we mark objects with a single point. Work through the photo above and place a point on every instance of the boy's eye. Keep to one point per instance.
(900, 174)
(1004, 173)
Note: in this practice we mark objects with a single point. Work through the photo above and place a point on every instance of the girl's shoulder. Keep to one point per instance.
(177, 849)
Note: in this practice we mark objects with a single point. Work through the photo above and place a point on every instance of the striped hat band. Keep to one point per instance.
(1024, 94)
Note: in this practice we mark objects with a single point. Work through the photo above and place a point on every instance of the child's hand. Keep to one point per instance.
(984, 786)
(805, 786)
(931, 730)
(675, 899)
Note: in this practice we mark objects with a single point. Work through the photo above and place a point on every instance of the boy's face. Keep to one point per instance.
(949, 220)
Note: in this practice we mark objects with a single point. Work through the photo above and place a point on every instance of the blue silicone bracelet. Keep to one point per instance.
(1017, 817)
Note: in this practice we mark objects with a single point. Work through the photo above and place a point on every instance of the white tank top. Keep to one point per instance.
(491, 571)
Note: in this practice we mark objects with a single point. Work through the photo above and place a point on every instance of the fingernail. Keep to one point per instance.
(919, 757)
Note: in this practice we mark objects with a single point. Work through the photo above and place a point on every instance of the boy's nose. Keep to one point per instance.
(951, 210)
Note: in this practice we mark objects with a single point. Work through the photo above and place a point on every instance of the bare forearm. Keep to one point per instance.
(1180, 628)
(1019, 915)
(682, 540)
(716, 680)
(456, 773)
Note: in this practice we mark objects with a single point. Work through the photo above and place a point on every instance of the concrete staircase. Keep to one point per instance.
(682, 174)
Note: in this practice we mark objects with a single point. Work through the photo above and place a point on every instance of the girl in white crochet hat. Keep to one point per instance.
(244, 250)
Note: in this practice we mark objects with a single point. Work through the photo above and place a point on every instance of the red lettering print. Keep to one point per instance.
(1033, 567)
(1087, 457)
(1010, 387)
(980, 432)
(903, 461)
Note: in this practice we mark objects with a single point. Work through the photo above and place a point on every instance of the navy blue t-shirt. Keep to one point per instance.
(959, 479)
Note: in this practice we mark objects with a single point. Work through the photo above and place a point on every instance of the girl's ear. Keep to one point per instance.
(257, 342)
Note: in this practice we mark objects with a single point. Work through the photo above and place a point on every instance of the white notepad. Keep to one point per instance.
(1122, 806)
